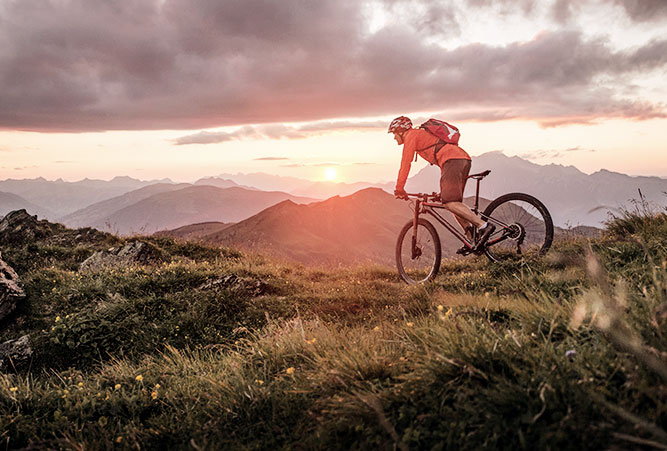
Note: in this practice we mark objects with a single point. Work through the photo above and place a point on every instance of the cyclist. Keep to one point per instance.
(454, 164)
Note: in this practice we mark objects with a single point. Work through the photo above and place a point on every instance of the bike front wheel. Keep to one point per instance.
(524, 228)
(418, 256)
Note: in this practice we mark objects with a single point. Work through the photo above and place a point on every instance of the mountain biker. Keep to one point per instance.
(454, 164)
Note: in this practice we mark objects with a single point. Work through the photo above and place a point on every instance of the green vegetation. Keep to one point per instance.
(214, 349)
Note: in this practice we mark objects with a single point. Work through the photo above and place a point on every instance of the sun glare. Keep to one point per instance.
(330, 174)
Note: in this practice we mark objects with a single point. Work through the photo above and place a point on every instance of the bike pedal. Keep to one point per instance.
(465, 250)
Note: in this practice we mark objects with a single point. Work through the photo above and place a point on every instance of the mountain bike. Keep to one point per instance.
(524, 230)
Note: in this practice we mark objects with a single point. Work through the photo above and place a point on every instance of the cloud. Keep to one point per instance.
(554, 153)
(277, 131)
(271, 131)
(181, 64)
(271, 159)
(311, 165)
(644, 10)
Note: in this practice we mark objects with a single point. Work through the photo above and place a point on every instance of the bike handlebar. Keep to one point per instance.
(424, 196)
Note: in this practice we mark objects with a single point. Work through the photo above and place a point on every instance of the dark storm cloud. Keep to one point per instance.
(80, 65)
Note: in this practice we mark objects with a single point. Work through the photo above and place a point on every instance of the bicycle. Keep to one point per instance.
(524, 229)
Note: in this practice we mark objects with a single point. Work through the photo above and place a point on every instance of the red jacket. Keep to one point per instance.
(422, 142)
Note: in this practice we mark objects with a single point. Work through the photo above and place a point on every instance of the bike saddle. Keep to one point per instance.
(480, 176)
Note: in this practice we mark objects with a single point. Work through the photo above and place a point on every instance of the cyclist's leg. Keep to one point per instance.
(462, 211)
(452, 182)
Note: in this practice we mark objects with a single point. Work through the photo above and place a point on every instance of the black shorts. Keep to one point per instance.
(453, 179)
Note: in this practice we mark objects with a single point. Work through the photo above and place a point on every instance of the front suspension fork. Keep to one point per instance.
(416, 252)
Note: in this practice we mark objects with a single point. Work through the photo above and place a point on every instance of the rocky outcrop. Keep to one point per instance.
(15, 353)
(134, 253)
(11, 290)
(19, 226)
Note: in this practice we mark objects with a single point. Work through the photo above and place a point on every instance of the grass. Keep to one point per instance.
(215, 349)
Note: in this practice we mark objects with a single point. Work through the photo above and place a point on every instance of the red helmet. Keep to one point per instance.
(400, 124)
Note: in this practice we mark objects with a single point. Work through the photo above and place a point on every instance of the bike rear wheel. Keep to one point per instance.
(524, 228)
(418, 263)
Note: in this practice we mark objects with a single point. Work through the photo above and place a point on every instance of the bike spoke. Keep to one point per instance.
(527, 231)
(422, 265)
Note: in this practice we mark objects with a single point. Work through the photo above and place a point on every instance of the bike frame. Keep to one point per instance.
(423, 206)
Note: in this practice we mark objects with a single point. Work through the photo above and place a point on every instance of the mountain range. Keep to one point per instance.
(58, 198)
(126, 205)
(165, 206)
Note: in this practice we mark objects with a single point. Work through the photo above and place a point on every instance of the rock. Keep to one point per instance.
(136, 252)
(233, 282)
(11, 290)
(260, 288)
(15, 353)
(18, 226)
(225, 282)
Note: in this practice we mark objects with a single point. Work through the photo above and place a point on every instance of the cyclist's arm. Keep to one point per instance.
(406, 162)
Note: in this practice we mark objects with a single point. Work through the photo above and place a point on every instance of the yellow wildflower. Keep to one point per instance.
(259, 382)
(440, 308)
(116, 387)
(119, 439)
(410, 324)
(157, 386)
(154, 395)
(139, 378)
(290, 370)
(80, 384)
(13, 389)
(57, 318)
(311, 341)
(376, 329)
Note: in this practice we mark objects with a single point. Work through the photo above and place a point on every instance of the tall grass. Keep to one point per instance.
(567, 352)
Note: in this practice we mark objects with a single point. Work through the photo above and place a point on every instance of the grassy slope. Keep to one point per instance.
(285, 356)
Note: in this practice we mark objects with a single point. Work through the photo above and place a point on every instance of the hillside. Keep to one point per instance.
(160, 207)
(205, 347)
(98, 214)
(10, 202)
(220, 183)
(195, 232)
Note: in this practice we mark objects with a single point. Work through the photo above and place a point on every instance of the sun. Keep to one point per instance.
(330, 174)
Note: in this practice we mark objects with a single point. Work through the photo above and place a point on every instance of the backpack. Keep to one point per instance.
(444, 131)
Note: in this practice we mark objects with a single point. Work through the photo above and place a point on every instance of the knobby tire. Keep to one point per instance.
(424, 268)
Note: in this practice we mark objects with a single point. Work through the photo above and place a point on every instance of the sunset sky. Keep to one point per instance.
(192, 88)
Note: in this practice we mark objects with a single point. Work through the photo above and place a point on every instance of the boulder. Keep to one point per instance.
(19, 226)
(11, 290)
(133, 253)
(15, 353)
